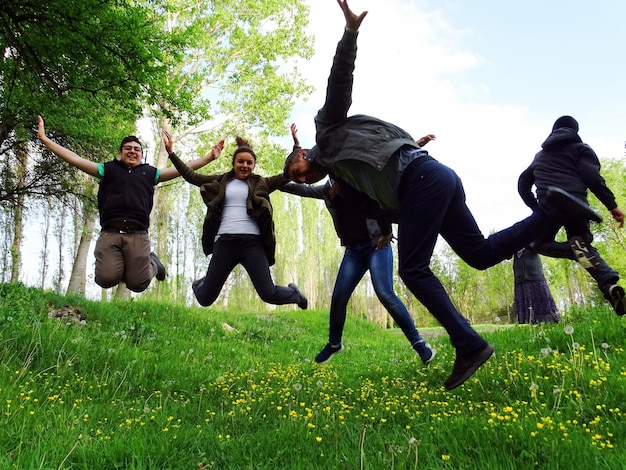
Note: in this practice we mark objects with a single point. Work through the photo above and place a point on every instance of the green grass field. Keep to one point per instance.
(143, 385)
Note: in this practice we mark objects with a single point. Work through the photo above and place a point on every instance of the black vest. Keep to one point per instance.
(126, 194)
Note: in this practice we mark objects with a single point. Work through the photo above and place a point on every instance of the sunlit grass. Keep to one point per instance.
(145, 386)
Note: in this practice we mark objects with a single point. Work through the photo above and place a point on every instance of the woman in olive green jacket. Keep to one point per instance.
(238, 226)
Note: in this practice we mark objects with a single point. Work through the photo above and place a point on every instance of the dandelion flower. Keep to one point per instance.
(605, 346)
(297, 387)
(569, 329)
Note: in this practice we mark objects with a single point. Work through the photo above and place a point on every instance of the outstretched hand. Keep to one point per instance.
(424, 140)
(618, 215)
(294, 135)
(353, 21)
(168, 141)
(41, 131)
(216, 151)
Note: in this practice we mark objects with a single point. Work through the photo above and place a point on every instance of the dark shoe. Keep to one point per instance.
(302, 302)
(426, 351)
(325, 354)
(570, 206)
(466, 365)
(617, 298)
(582, 253)
(160, 274)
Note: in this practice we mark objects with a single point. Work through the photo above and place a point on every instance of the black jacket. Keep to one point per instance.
(567, 163)
(357, 218)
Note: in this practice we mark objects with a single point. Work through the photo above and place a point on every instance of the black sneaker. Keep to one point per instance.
(581, 251)
(425, 350)
(617, 298)
(571, 206)
(160, 274)
(466, 365)
(302, 302)
(325, 354)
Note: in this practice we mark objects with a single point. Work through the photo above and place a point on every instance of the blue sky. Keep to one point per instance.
(488, 78)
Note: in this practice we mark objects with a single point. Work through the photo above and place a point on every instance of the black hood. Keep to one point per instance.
(560, 138)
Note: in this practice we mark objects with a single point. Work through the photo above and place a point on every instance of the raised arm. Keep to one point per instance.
(341, 79)
(294, 136)
(89, 167)
(173, 172)
(353, 21)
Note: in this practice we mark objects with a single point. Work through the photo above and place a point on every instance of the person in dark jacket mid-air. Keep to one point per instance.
(567, 163)
(386, 163)
(238, 227)
(125, 196)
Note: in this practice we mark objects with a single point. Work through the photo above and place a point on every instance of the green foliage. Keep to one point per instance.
(145, 385)
(85, 66)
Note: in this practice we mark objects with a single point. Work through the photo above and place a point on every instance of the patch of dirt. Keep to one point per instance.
(68, 313)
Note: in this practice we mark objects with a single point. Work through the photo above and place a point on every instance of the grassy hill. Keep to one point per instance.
(142, 385)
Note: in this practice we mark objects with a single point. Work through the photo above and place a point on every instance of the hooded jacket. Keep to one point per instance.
(567, 163)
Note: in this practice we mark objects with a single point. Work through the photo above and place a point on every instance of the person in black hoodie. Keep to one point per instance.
(568, 163)
(125, 198)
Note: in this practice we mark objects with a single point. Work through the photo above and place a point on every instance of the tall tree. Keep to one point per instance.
(86, 65)
(238, 69)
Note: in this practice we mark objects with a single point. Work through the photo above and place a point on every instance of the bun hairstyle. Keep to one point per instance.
(243, 146)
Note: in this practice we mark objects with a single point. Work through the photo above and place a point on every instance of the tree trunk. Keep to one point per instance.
(61, 238)
(122, 292)
(45, 232)
(18, 217)
(78, 278)
(162, 204)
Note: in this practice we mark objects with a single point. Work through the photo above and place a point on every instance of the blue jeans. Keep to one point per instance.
(432, 202)
(357, 260)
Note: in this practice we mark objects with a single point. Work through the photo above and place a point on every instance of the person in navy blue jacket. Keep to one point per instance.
(382, 160)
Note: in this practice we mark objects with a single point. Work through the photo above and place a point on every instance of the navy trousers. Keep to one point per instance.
(432, 203)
